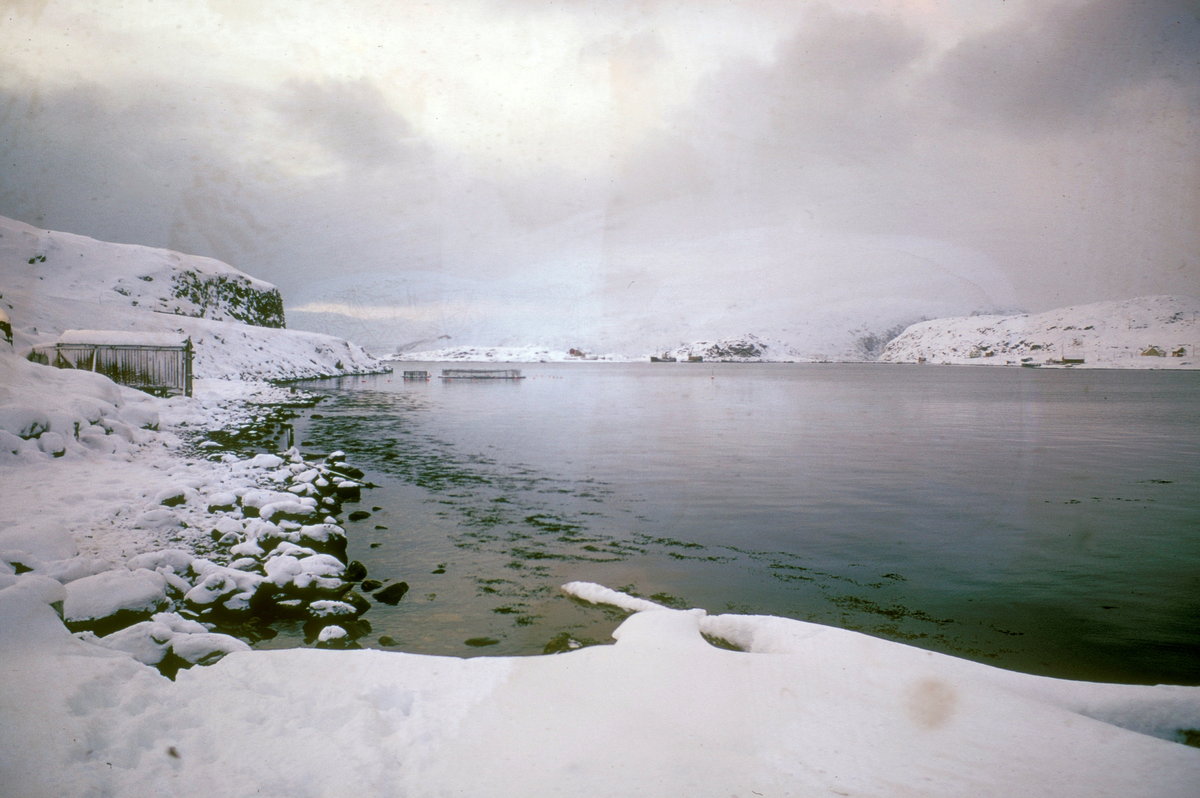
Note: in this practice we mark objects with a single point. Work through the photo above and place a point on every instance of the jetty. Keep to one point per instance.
(481, 374)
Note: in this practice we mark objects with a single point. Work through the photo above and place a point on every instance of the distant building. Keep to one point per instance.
(158, 363)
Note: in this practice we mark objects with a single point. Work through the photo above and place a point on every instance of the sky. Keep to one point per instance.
(626, 174)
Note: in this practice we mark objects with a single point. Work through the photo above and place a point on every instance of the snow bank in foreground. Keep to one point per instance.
(805, 710)
(1148, 332)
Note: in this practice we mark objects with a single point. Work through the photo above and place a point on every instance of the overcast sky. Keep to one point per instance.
(521, 171)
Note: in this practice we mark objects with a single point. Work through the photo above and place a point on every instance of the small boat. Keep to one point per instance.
(695, 358)
(665, 358)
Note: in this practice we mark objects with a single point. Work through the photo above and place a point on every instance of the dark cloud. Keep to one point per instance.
(1068, 64)
(1064, 147)
(350, 120)
(832, 96)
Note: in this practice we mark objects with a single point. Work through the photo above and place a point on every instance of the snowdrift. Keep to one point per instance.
(1147, 332)
(803, 710)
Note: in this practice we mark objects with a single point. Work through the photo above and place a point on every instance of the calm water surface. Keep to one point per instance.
(1046, 521)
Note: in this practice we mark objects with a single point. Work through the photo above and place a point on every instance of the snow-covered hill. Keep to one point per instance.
(500, 354)
(746, 348)
(1147, 332)
(51, 282)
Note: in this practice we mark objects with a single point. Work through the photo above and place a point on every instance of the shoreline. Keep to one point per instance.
(210, 495)
(660, 712)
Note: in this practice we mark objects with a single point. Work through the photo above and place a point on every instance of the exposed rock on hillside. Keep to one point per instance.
(235, 296)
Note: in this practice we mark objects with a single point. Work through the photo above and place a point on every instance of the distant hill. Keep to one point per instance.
(1147, 332)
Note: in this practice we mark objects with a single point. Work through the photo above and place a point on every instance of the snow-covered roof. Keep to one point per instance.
(122, 338)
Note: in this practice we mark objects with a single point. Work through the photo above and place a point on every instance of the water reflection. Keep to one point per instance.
(1047, 521)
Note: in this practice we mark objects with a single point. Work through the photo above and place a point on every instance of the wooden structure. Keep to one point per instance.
(158, 363)
(481, 374)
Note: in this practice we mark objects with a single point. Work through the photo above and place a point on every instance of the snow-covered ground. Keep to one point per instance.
(801, 710)
(1156, 332)
(118, 517)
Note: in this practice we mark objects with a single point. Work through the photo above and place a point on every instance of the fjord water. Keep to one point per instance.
(1041, 520)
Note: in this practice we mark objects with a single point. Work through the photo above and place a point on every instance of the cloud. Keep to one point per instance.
(651, 167)
(350, 120)
(1069, 64)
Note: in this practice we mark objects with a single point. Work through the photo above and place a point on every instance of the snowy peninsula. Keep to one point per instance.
(1153, 332)
(127, 528)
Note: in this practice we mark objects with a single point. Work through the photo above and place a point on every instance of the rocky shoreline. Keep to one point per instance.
(261, 545)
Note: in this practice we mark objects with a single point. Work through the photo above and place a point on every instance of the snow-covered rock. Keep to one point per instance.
(95, 598)
(149, 642)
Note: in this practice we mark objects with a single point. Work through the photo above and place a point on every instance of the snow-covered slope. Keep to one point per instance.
(51, 282)
(72, 266)
(1147, 332)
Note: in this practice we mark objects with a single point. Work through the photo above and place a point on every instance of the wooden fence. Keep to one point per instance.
(157, 369)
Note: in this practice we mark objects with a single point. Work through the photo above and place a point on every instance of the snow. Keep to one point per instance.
(117, 338)
(94, 597)
(806, 710)
(124, 521)
(1155, 332)
(149, 642)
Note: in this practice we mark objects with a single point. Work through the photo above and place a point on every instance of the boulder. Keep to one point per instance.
(355, 572)
(52, 444)
(392, 593)
(113, 599)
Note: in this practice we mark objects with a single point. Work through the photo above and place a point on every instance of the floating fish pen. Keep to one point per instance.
(157, 363)
(481, 374)
(416, 375)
